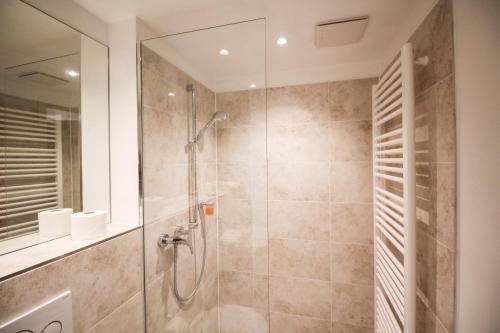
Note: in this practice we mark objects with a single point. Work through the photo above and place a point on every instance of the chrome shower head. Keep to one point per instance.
(217, 116)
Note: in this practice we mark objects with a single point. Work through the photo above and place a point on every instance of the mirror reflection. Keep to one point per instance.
(44, 102)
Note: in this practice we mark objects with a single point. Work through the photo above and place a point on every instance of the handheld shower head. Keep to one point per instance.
(217, 116)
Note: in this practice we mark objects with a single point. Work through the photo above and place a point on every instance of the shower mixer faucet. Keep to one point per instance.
(181, 236)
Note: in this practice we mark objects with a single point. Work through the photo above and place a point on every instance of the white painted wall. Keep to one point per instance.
(123, 118)
(95, 125)
(123, 37)
(477, 62)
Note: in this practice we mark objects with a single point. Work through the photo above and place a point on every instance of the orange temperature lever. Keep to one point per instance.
(209, 211)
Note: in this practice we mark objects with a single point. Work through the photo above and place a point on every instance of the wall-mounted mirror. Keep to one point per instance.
(54, 123)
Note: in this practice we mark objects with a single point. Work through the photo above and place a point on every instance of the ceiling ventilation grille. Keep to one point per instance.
(43, 78)
(340, 32)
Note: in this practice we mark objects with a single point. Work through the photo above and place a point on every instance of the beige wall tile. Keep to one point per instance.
(434, 38)
(297, 104)
(114, 266)
(128, 318)
(241, 144)
(352, 263)
(261, 255)
(245, 289)
(445, 121)
(211, 321)
(155, 89)
(236, 288)
(235, 104)
(300, 297)
(210, 282)
(189, 318)
(242, 180)
(351, 182)
(426, 320)
(236, 255)
(155, 63)
(244, 108)
(261, 292)
(351, 141)
(158, 143)
(446, 204)
(435, 123)
(165, 180)
(281, 322)
(235, 220)
(299, 143)
(426, 198)
(350, 100)
(299, 258)
(242, 319)
(424, 133)
(352, 304)
(299, 181)
(426, 266)
(346, 328)
(185, 270)
(445, 286)
(207, 172)
(352, 223)
(241, 218)
(235, 180)
(157, 261)
(161, 305)
(299, 220)
(257, 106)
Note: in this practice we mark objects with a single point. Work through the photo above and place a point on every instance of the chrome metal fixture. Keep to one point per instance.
(185, 235)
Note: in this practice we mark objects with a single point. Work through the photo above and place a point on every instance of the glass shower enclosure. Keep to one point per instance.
(204, 180)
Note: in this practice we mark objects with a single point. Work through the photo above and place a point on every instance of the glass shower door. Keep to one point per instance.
(204, 177)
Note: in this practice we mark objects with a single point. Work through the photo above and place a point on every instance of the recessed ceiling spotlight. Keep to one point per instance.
(223, 52)
(281, 41)
(72, 73)
(252, 85)
(171, 94)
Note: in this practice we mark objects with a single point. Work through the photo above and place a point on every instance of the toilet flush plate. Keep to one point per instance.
(53, 316)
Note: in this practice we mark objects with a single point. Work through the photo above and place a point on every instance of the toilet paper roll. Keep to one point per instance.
(88, 225)
(54, 222)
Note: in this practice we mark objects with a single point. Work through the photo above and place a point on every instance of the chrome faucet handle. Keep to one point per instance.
(181, 236)
(165, 240)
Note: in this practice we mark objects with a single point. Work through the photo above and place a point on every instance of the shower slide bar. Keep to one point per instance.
(394, 196)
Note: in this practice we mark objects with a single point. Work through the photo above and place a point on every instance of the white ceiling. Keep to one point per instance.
(391, 23)
(31, 42)
(197, 53)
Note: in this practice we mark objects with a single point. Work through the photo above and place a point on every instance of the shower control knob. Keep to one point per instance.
(181, 237)
(165, 239)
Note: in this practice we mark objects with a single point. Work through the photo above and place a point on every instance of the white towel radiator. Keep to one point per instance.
(394, 196)
(30, 169)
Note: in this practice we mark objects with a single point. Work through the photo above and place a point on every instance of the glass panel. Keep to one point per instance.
(42, 108)
(205, 180)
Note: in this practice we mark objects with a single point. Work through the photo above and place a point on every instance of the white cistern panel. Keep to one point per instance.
(53, 316)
